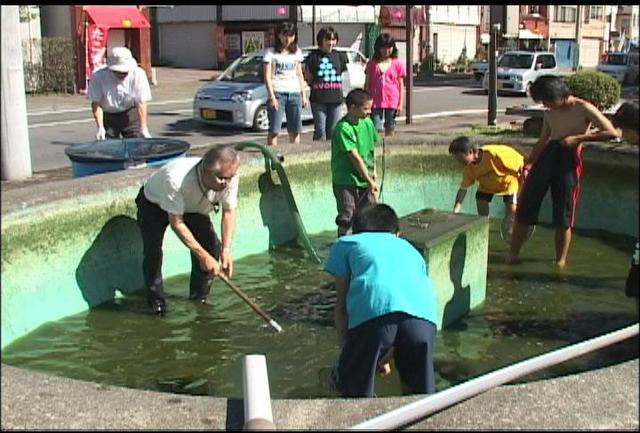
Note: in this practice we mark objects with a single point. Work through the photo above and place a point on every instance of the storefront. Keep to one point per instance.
(393, 21)
(99, 28)
(247, 29)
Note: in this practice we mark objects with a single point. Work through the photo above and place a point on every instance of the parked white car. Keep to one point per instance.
(238, 97)
(621, 66)
(517, 70)
(479, 69)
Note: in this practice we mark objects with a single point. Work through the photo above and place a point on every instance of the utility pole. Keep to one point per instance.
(16, 156)
(293, 14)
(576, 62)
(494, 29)
(313, 24)
(609, 34)
(409, 81)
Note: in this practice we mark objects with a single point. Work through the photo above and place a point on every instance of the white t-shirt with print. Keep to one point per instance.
(177, 189)
(284, 65)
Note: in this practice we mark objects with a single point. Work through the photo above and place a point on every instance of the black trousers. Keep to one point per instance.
(126, 123)
(413, 341)
(557, 168)
(153, 222)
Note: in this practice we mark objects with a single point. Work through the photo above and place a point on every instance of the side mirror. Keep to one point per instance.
(538, 66)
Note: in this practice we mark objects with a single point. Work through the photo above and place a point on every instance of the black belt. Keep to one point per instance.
(122, 112)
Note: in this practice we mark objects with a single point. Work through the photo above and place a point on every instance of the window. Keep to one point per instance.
(586, 12)
(534, 9)
(247, 69)
(565, 14)
(355, 57)
(596, 13)
(517, 61)
(548, 62)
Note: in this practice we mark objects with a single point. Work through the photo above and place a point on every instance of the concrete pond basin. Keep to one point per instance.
(45, 278)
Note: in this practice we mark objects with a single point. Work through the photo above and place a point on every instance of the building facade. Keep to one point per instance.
(624, 26)
(454, 31)
(214, 36)
(184, 36)
(579, 33)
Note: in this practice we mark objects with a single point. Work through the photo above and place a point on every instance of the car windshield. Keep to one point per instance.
(616, 59)
(517, 61)
(247, 69)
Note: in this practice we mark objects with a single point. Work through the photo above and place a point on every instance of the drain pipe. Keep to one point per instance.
(426, 406)
(257, 399)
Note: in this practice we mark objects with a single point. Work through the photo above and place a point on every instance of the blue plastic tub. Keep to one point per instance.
(119, 154)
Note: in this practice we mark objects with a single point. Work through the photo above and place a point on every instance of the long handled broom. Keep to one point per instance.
(252, 304)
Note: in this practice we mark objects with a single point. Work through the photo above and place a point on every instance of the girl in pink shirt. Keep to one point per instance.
(385, 83)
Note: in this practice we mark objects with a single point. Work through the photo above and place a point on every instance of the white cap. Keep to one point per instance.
(121, 60)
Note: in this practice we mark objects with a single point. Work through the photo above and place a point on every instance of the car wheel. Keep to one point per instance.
(261, 119)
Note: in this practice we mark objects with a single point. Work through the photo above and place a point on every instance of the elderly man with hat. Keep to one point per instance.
(119, 93)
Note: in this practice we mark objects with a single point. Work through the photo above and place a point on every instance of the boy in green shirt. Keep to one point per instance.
(353, 159)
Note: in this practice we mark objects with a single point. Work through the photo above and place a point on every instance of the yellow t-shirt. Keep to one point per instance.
(496, 172)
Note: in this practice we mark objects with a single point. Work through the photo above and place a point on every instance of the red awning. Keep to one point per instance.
(119, 17)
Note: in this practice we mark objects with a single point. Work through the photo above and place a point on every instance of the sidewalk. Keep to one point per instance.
(172, 84)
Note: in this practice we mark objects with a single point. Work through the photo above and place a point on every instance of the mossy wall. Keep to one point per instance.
(63, 257)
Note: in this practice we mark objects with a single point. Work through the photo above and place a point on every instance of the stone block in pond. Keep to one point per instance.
(455, 248)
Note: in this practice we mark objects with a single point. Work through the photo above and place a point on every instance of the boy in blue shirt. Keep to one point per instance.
(384, 301)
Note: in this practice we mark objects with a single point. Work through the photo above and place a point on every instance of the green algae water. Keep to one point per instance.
(529, 309)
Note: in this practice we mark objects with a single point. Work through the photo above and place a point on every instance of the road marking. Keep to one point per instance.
(68, 122)
(189, 110)
(449, 113)
(88, 108)
(91, 119)
(182, 101)
(430, 89)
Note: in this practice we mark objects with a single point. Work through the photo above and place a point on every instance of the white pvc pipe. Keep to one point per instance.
(428, 405)
(257, 399)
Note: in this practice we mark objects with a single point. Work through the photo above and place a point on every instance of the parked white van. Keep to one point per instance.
(517, 70)
(621, 66)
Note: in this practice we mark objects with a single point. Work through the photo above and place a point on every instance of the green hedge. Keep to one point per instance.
(600, 89)
(56, 72)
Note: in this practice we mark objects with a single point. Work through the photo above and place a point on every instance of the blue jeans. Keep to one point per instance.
(291, 104)
(389, 116)
(325, 117)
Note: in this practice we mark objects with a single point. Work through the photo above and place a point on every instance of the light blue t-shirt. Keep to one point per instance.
(386, 274)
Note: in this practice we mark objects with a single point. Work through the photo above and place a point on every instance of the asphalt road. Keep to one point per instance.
(51, 130)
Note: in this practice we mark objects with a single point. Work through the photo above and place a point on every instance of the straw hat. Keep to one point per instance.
(121, 60)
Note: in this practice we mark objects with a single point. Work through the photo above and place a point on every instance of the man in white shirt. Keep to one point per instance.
(119, 94)
(182, 194)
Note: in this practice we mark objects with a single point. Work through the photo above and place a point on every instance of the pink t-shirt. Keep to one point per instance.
(385, 87)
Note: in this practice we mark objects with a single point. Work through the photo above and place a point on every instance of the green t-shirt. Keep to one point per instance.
(347, 136)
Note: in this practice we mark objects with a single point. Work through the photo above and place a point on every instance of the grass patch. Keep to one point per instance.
(485, 130)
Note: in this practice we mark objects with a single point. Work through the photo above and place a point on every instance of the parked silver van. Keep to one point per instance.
(517, 70)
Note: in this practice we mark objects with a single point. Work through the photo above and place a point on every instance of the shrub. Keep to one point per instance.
(56, 71)
(427, 66)
(600, 89)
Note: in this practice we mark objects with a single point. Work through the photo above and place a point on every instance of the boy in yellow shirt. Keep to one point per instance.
(496, 167)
